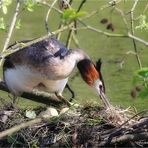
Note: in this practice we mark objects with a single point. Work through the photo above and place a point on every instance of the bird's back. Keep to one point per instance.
(46, 56)
(39, 52)
(39, 63)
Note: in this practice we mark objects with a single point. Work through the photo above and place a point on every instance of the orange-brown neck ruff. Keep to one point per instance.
(88, 71)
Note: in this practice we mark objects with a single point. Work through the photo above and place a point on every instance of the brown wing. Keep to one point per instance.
(37, 53)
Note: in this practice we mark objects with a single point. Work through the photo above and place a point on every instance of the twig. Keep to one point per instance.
(72, 31)
(90, 14)
(129, 35)
(10, 29)
(81, 5)
(132, 33)
(19, 127)
(141, 123)
(48, 5)
(137, 39)
(123, 17)
(61, 24)
(0, 3)
(130, 137)
(99, 30)
(110, 4)
(146, 7)
(139, 113)
(47, 15)
(75, 40)
(37, 120)
(144, 11)
(60, 33)
(118, 129)
(21, 46)
(119, 134)
(69, 37)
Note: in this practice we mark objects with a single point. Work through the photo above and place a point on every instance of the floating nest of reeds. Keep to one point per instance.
(88, 126)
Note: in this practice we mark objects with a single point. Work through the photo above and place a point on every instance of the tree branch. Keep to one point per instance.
(99, 30)
(123, 17)
(47, 15)
(137, 39)
(10, 29)
(110, 4)
(132, 33)
(19, 127)
(76, 41)
(0, 3)
(62, 8)
(128, 35)
(29, 123)
(71, 32)
(20, 46)
(130, 137)
(48, 5)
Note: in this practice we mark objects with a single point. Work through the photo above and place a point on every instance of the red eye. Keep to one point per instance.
(101, 87)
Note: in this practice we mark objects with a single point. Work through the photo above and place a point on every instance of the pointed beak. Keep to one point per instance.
(105, 99)
(99, 89)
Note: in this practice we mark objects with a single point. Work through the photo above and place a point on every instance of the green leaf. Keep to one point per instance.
(18, 24)
(2, 24)
(30, 8)
(30, 114)
(81, 13)
(143, 25)
(4, 5)
(30, 5)
(136, 79)
(68, 13)
(4, 9)
(143, 73)
(7, 2)
(71, 14)
(143, 93)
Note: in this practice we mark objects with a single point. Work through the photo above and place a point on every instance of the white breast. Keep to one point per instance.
(55, 85)
(22, 79)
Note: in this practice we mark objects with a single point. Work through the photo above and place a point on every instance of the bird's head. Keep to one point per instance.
(91, 74)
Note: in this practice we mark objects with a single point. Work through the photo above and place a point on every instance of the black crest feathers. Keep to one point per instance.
(98, 67)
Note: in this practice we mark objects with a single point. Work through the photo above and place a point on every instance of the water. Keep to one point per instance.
(112, 51)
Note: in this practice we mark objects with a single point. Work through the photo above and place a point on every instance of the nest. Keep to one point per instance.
(89, 126)
(119, 116)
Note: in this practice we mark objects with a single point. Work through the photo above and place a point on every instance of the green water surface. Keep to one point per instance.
(112, 50)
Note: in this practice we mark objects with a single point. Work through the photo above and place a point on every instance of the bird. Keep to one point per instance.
(47, 65)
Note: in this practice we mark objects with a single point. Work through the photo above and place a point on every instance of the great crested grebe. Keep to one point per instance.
(48, 64)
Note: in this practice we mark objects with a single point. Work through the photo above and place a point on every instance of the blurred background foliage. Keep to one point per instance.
(119, 68)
